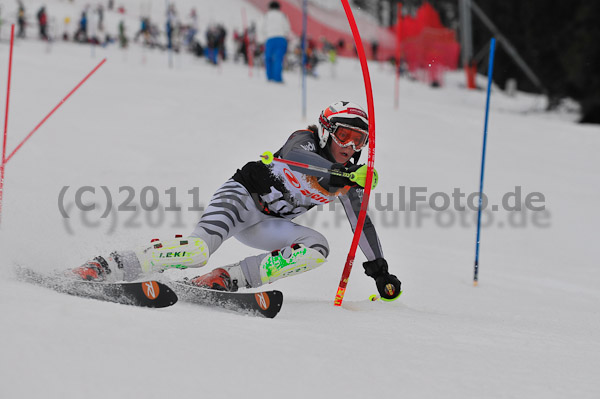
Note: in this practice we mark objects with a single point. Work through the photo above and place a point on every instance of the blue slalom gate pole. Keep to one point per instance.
(304, 18)
(485, 128)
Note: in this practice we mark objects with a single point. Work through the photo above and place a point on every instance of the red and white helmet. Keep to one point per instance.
(342, 113)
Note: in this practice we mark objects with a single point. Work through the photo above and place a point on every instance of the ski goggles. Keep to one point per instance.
(349, 136)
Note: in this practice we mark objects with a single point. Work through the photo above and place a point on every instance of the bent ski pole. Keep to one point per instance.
(267, 157)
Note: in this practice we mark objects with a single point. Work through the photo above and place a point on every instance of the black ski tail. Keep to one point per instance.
(151, 294)
(265, 303)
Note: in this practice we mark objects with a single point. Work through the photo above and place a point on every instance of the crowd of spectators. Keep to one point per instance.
(176, 32)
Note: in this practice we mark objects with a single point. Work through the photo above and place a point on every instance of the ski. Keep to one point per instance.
(265, 303)
(151, 294)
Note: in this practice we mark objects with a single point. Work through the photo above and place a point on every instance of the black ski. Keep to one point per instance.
(265, 303)
(151, 294)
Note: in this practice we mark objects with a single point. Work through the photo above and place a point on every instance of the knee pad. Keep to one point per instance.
(288, 262)
(178, 253)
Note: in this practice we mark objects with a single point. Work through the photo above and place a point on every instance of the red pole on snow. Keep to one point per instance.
(5, 159)
(3, 164)
(54, 109)
(339, 297)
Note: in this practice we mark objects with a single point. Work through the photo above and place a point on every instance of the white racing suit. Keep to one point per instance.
(257, 207)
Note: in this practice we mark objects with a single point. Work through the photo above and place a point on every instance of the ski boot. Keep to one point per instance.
(96, 269)
(108, 268)
(227, 278)
(289, 261)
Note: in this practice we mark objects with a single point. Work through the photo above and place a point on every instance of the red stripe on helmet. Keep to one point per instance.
(353, 111)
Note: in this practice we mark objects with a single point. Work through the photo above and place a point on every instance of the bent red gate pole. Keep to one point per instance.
(339, 297)
(54, 109)
(6, 159)
(3, 164)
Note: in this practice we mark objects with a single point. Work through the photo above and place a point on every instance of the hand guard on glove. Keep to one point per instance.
(358, 178)
(387, 284)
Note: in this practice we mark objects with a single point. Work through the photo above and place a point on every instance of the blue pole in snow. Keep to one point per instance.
(485, 127)
(169, 34)
(304, 17)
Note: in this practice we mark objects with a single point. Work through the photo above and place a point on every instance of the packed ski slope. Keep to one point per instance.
(530, 330)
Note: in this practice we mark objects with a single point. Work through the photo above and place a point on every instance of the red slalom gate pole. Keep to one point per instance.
(1, 189)
(54, 109)
(3, 164)
(12, 40)
(339, 297)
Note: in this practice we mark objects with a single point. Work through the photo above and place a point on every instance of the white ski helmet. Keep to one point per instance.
(344, 113)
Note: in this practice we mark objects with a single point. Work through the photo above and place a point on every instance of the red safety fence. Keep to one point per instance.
(332, 25)
(426, 47)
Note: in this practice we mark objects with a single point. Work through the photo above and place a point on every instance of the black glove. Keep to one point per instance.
(340, 181)
(387, 284)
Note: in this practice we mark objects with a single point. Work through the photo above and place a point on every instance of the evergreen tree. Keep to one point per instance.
(558, 39)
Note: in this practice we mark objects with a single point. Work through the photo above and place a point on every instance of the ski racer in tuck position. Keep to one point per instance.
(257, 206)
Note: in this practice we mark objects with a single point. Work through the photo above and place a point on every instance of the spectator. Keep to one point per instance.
(375, 49)
(43, 23)
(192, 29)
(144, 29)
(21, 20)
(81, 34)
(276, 29)
(100, 11)
(330, 50)
(312, 58)
(241, 45)
(172, 27)
(66, 23)
(221, 35)
(212, 44)
(122, 37)
(169, 32)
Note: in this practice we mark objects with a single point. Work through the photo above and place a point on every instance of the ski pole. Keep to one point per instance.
(267, 158)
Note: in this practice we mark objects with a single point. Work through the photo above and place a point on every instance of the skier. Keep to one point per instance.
(257, 207)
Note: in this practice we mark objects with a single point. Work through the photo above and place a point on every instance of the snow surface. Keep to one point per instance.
(530, 330)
